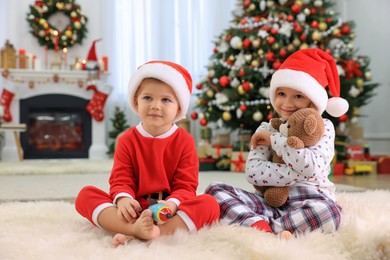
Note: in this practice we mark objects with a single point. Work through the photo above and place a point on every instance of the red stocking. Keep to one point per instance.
(5, 101)
(96, 105)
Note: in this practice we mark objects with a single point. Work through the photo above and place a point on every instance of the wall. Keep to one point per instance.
(372, 40)
(373, 37)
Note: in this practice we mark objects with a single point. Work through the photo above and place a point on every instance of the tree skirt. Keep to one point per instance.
(54, 230)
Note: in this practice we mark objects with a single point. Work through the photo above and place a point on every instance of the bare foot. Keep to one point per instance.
(120, 239)
(285, 235)
(144, 227)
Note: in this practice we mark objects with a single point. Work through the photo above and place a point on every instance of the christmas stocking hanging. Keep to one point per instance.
(96, 105)
(5, 101)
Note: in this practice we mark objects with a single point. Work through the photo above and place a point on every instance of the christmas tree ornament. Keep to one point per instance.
(226, 116)
(95, 106)
(5, 101)
(257, 116)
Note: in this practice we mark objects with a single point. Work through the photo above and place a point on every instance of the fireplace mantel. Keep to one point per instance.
(29, 83)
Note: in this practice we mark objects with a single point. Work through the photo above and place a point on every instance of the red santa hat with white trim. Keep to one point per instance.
(310, 71)
(169, 72)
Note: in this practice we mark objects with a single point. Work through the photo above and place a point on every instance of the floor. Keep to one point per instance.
(378, 181)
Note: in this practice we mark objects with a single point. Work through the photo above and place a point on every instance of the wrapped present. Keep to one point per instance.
(241, 146)
(219, 150)
(223, 163)
(223, 139)
(8, 56)
(360, 167)
(207, 164)
(338, 168)
(204, 149)
(355, 152)
(238, 160)
(205, 133)
(383, 163)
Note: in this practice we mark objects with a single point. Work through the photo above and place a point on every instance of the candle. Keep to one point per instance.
(22, 59)
(46, 54)
(65, 51)
(105, 63)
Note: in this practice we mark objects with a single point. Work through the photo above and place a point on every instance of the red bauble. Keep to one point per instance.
(303, 37)
(345, 29)
(313, 10)
(296, 8)
(246, 87)
(343, 118)
(274, 31)
(290, 18)
(282, 53)
(276, 65)
(270, 56)
(266, 28)
(194, 115)
(203, 122)
(297, 28)
(271, 40)
(199, 86)
(215, 50)
(247, 3)
(224, 81)
(314, 24)
(243, 21)
(269, 117)
(241, 73)
(246, 43)
(243, 108)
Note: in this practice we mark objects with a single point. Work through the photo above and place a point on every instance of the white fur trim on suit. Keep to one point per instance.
(167, 74)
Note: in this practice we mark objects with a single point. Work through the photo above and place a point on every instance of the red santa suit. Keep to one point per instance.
(145, 165)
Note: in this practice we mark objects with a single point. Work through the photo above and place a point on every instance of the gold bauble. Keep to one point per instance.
(77, 25)
(42, 21)
(323, 26)
(336, 31)
(368, 75)
(68, 33)
(296, 42)
(198, 102)
(255, 63)
(210, 93)
(359, 83)
(275, 46)
(304, 46)
(240, 90)
(260, 52)
(256, 43)
(226, 116)
(316, 36)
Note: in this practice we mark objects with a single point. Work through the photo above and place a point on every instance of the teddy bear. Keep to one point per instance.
(304, 128)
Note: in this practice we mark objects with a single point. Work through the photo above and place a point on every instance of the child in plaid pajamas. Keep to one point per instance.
(300, 82)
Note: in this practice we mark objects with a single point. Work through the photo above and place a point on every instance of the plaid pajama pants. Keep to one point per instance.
(305, 210)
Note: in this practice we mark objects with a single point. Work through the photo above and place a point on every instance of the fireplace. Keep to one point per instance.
(53, 105)
(58, 126)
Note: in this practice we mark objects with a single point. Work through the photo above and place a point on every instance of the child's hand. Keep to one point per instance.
(261, 138)
(128, 209)
(171, 205)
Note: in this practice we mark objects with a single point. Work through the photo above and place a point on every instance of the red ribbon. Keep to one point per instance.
(239, 163)
(352, 69)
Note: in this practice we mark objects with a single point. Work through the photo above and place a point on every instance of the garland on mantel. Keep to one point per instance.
(50, 36)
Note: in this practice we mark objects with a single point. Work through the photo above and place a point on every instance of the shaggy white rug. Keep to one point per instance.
(54, 230)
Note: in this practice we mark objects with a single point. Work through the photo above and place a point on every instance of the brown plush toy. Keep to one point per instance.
(303, 128)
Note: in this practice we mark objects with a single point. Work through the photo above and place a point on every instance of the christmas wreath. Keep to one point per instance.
(50, 36)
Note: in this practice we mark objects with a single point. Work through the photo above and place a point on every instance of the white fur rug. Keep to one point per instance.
(54, 230)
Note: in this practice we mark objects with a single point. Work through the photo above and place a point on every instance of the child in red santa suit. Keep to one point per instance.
(154, 159)
(300, 82)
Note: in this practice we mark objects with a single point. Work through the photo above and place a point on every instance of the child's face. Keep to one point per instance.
(288, 100)
(157, 106)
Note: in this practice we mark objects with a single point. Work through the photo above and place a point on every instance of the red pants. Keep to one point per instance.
(203, 210)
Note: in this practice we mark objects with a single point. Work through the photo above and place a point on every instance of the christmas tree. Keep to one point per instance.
(119, 124)
(262, 34)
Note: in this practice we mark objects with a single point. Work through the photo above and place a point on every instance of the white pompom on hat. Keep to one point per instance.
(173, 74)
(310, 71)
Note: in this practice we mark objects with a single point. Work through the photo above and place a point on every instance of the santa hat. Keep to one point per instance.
(172, 74)
(310, 71)
(92, 51)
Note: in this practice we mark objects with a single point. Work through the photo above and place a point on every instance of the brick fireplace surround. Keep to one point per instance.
(32, 83)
